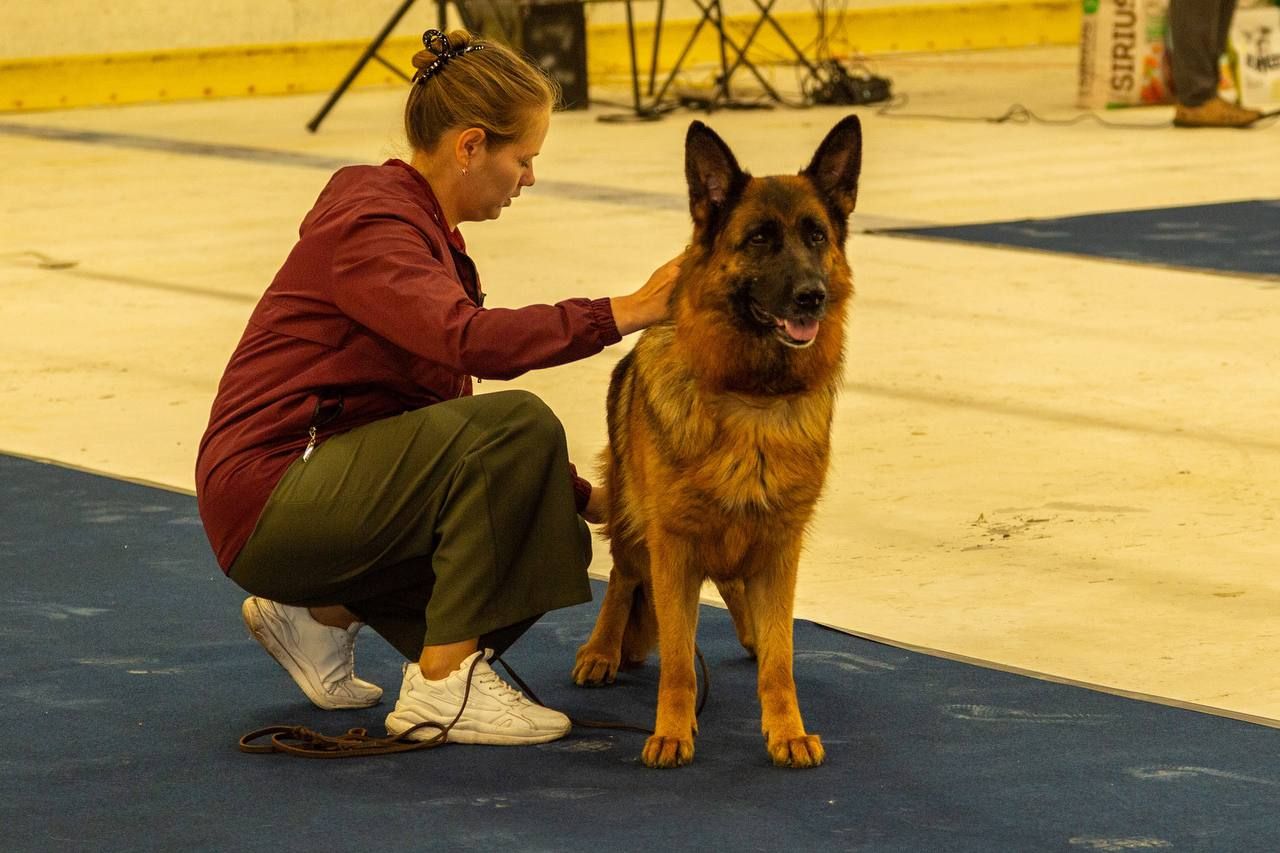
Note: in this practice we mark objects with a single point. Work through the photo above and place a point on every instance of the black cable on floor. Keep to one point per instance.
(1019, 114)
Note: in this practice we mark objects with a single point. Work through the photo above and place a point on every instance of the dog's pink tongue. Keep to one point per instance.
(801, 330)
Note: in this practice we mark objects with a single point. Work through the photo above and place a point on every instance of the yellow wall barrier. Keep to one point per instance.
(80, 81)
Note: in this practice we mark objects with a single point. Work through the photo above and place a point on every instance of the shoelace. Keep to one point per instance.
(345, 668)
(499, 689)
(346, 665)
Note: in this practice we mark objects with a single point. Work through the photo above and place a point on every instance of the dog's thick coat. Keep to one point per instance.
(719, 435)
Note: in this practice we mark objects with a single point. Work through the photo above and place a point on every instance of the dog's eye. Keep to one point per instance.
(763, 234)
(817, 237)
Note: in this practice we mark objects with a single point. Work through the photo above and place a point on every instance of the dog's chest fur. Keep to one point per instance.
(746, 466)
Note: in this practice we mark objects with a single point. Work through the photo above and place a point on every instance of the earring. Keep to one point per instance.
(464, 173)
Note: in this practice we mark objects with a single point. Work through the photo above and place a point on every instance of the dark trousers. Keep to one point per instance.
(439, 525)
(1198, 31)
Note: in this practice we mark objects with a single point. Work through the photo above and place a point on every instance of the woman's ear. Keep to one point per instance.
(470, 142)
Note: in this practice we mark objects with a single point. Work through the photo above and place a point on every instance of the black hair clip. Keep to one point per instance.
(437, 43)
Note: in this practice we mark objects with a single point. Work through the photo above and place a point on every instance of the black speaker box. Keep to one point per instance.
(552, 32)
(554, 35)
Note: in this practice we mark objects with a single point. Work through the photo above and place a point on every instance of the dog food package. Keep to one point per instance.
(1254, 55)
(1123, 59)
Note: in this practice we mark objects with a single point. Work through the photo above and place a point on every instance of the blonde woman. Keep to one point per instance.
(349, 477)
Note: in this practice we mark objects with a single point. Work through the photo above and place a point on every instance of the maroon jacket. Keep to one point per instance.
(378, 306)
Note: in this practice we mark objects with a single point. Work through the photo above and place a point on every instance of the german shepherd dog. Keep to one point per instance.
(719, 435)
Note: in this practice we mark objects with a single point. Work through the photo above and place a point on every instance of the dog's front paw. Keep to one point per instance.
(592, 669)
(803, 751)
(665, 752)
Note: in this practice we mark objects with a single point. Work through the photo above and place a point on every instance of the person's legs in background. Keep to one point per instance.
(1199, 30)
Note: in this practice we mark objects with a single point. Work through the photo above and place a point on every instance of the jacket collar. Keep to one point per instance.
(432, 204)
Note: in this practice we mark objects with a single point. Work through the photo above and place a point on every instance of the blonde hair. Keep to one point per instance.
(492, 88)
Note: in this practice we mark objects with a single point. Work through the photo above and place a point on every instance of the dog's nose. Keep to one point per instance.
(810, 297)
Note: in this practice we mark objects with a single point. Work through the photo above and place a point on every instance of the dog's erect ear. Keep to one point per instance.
(836, 165)
(713, 175)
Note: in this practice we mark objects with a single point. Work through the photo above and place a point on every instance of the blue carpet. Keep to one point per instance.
(126, 679)
(1236, 237)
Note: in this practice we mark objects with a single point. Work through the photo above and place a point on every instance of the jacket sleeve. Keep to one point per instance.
(581, 489)
(386, 278)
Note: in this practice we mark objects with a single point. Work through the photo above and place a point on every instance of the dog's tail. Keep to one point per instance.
(641, 633)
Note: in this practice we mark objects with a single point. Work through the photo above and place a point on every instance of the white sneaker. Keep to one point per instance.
(496, 713)
(320, 659)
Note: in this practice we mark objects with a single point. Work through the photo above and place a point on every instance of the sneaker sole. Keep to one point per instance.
(458, 735)
(257, 629)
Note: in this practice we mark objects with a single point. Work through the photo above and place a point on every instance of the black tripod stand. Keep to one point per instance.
(371, 52)
(733, 57)
(713, 14)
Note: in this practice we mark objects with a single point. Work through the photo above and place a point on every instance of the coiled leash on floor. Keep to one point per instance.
(307, 743)
(303, 742)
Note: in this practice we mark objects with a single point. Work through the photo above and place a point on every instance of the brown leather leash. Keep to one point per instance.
(302, 742)
(306, 743)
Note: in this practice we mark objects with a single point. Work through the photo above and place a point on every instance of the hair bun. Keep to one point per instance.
(440, 44)
(439, 48)
(460, 39)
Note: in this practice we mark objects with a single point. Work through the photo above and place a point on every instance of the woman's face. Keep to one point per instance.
(498, 173)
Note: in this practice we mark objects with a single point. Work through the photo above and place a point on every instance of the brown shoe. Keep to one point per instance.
(1214, 112)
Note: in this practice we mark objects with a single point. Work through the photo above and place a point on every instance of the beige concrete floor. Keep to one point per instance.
(1059, 465)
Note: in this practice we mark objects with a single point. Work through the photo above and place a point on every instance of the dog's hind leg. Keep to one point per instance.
(770, 593)
(641, 634)
(598, 658)
(735, 598)
(675, 583)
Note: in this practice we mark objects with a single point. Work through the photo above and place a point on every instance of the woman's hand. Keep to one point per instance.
(651, 303)
(597, 505)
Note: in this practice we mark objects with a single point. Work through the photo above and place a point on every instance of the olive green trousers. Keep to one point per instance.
(443, 524)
